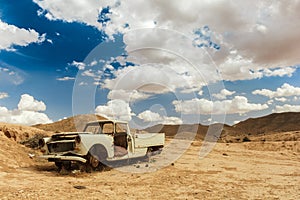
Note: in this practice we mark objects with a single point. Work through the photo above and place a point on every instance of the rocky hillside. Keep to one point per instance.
(13, 142)
(274, 123)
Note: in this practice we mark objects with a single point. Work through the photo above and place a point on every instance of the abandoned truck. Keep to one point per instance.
(99, 143)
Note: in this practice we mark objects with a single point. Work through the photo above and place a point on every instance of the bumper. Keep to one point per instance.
(57, 158)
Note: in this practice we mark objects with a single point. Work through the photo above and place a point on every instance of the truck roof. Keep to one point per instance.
(107, 121)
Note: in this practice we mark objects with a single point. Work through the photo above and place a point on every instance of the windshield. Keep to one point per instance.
(98, 128)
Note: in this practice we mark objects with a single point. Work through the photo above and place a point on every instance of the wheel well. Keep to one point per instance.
(155, 148)
(99, 152)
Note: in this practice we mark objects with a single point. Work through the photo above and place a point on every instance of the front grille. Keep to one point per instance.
(61, 147)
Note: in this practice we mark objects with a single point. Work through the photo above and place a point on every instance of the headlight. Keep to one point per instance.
(41, 142)
(78, 139)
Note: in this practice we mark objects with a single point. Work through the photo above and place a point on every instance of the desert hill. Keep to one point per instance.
(12, 153)
(256, 128)
(68, 125)
(172, 130)
(273, 123)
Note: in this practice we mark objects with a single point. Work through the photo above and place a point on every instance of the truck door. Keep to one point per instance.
(126, 138)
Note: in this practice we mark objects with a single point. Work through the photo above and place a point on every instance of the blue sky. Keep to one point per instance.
(152, 62)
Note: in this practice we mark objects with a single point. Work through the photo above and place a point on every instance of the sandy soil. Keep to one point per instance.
(252, 170)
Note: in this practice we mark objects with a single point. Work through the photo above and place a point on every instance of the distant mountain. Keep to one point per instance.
(172, 130)
(252, 127)
(273, 123)
(71, 124)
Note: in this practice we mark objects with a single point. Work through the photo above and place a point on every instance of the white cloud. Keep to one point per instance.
(93, 63)
(115, 109)
(128, 96)
(11, 75)
(238, 104)
(223, 94)
(155, 79)
(200, 93)
(286, 90)
(96, 83)
(82, 83)
(27, 112)
(236, 122)
(89, 73)
(79, 65)
(149, 116)
(3, 95)
(109, 67)
(281, 99)
(270, 102)
(235, 29)
(287, 108)
(172, 120)
(66, 78)
(12, 35)
(28, 103)
(50, 41)
(287, 71)
(72, 10)
(4, 69)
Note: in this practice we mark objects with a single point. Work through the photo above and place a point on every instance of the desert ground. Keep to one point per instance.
(248, 170)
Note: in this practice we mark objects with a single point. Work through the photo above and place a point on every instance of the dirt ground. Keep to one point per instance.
(252, 170)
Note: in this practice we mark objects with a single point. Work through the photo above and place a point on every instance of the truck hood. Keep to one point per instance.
(67, 135)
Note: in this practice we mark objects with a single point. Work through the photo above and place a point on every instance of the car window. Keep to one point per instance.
(108, 128)
(121, 128)
(93, 129)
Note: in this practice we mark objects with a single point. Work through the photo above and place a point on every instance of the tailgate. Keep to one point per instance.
(149, 140)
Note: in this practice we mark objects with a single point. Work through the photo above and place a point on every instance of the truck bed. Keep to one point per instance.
(144, 140)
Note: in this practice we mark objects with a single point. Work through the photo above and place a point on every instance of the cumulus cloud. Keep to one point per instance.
(27, 112)
(12, 35)
(250, 43)
(88, 73)
(79, 65)
(223, 94)
(239, 104)
(128, 96)
(172, 120)
(3, 95)
(115, 109)
(287, 71)
(93, 63)
(110, 67)
(149, 116)
(286, 90)
(155, 79)
(72, 10)
(28, 103)
(66, 78)
(287, 108)
(281, 99)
